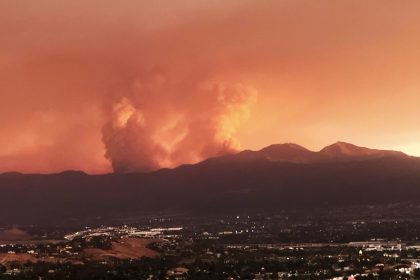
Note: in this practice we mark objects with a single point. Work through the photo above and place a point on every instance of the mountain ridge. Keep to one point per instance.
(294, 153)
(273, 178)
(284, 152)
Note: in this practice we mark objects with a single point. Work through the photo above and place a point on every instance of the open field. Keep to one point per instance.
(126, 248)
(22, 258)
(14, 234)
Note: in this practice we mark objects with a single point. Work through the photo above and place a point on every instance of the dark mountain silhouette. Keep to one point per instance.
(274, 178)
(293, 153)
(342, 150)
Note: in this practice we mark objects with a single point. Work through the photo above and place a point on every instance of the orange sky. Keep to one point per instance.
(324, 71)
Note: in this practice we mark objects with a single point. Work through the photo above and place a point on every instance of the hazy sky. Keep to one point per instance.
(146, 84)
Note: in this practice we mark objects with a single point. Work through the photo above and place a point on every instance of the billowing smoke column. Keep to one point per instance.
(156, 122)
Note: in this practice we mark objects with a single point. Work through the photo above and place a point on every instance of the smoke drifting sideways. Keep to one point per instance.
(158, 122)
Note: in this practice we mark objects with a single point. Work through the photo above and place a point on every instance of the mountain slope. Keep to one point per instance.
(347, 150)
(292, 153)
(274, 178)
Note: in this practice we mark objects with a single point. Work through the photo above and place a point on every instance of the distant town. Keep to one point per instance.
(287, 245)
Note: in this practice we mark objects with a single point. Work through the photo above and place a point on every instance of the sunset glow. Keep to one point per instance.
(135, 86)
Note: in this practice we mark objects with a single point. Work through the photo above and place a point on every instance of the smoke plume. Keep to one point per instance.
(154, 85)
(157, 122)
